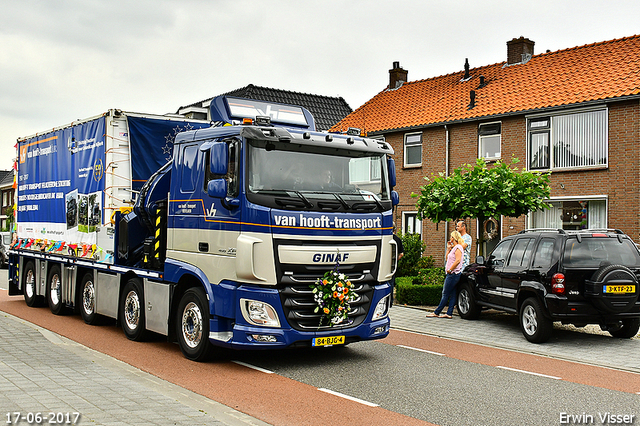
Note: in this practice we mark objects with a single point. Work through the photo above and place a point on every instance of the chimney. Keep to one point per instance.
(397, 76)
(519, 50)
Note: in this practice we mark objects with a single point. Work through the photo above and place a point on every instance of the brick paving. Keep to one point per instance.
(502, 330)
(42, 372)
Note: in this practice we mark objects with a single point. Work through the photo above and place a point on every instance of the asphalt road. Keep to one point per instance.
(406, 377)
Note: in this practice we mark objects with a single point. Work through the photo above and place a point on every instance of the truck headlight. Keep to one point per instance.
(382, 308)
(259, 313)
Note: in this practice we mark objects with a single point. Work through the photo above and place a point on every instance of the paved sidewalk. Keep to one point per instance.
(42, 372)
(502, 330)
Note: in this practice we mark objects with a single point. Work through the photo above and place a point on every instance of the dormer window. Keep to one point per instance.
(489, 141)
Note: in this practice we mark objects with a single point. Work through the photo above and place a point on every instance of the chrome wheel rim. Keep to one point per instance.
(529, 320)
(463, 302)
(55, 290)
(192, 325)
(132, 310)
(30, 284)
(88, 298)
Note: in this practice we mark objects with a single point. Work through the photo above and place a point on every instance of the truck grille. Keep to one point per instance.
(298, 303)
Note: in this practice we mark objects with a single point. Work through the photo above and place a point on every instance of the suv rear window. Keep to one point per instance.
(593, 252)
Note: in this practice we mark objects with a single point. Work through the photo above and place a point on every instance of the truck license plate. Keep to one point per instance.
(619, 289)
(328, 341)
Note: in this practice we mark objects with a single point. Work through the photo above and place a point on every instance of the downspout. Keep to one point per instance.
(446, 174)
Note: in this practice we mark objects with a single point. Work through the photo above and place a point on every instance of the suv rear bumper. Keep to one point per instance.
(562, 309)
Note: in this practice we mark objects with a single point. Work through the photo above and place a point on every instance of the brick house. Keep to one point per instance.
(575, 112)
(7, 196)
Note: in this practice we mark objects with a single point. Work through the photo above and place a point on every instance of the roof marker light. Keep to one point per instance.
(247, 121)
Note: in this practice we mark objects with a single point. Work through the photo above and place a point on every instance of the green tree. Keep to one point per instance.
(9, 212)
(481, 192)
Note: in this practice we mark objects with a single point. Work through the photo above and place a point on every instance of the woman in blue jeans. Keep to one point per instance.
(453, 270)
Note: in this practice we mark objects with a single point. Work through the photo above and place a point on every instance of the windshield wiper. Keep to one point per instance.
(342, 201)
(307, 203)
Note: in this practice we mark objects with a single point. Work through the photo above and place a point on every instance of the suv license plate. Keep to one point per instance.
(619, 289)
(328, 341)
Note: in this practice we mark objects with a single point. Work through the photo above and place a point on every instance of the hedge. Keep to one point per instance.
(417, 294)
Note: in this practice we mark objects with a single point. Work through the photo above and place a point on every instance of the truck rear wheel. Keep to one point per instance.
(88, 300)
(54, 291)
(132, 314)
(192, 324)
(29, 286)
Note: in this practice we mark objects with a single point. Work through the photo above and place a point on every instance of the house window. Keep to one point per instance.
(572, 215)
(364, 170)
(413, 150)
(410, 223)
(489, 141)
(568, 141)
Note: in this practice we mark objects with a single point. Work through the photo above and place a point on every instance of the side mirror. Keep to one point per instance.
(217, 188)
(219, 158)
(395, 198)
(391, 165)
(480, 260)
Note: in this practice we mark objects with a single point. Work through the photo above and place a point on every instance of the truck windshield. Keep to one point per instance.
(295, 176)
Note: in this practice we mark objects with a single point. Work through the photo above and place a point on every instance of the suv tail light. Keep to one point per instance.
(557, 284)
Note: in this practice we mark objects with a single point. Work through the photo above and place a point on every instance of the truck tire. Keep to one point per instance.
(535, 326)
(132, 314)
(29, 286)
(87, 300)
(192, 325)
(627, 328)
(54, 291)
(467, 306)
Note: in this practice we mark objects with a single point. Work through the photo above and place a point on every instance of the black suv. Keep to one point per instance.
(545, 275)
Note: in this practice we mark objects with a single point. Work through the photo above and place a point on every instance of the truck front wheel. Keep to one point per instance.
(132, 314)
(54, 291)
(29, 286)
(192, 324)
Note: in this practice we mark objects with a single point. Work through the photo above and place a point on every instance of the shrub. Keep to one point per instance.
(431, 276)
(417, 294)
(413, 247)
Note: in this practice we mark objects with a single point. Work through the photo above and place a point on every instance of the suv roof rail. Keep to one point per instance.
(558, 230)
(616, 230)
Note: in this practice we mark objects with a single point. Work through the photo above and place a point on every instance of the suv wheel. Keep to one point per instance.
(467, 307)
(625, 329)
(535, 326)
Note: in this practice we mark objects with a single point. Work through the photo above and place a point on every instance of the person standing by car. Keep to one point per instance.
(461, 227)
(453, 271)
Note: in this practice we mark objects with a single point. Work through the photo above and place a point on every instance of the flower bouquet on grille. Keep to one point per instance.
(333, 293)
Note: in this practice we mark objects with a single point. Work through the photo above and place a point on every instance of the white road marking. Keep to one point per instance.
(421, 350)
(351, 398)
(253, 367)
(529, 372)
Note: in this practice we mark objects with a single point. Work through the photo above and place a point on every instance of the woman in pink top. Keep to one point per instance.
(453, 270)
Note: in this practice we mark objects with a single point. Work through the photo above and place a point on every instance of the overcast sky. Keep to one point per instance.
(64, 60)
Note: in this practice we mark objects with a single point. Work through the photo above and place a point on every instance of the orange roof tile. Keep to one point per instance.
(575, 76)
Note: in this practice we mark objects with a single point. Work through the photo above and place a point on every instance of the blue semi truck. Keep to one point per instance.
(218, 233)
